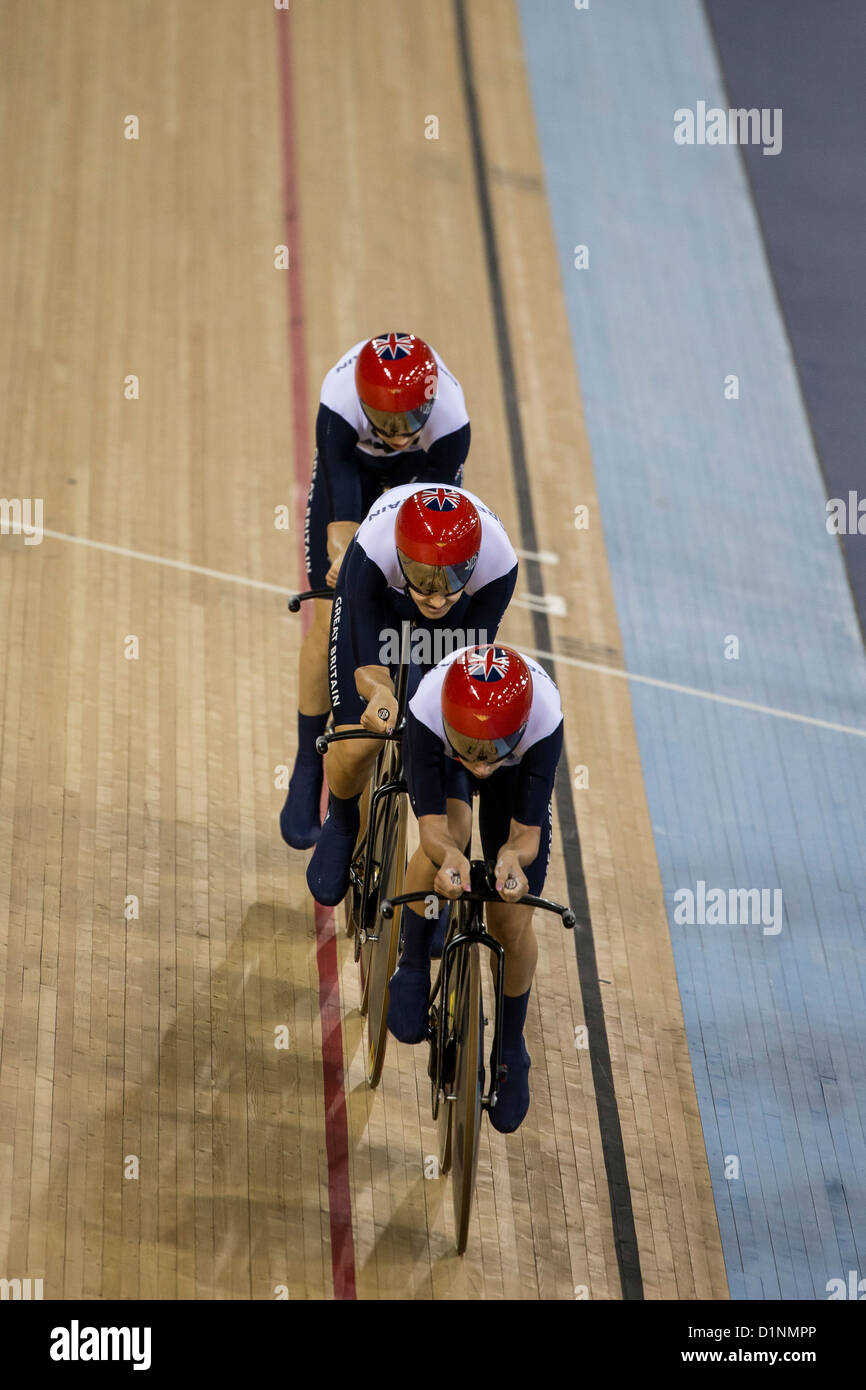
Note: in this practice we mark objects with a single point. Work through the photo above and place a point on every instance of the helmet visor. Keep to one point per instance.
(475, 750)
(435, 579)
(397, 424)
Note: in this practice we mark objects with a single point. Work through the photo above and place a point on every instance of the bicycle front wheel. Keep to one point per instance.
(382, 959)
(468, 1089)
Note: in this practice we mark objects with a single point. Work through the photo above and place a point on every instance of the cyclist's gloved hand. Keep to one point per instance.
(511, 883)
(373, 717)
(453, 875)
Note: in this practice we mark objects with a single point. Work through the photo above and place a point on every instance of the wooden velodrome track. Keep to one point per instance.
(153, 1140)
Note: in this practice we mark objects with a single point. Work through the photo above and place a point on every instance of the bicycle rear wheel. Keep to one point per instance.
(370, 846)
(465, 1109)
(444, 1111)
(352, 900)
(381, 956)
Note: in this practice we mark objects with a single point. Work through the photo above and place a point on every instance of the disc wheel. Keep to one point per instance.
(380, 957)
(468, 1089)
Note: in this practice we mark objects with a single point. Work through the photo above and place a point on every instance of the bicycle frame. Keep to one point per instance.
(383, 794)
(378, 805)
(472, 932)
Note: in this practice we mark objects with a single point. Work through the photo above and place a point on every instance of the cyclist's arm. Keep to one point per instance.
(425, 762)
(519, 849)
(442, 849)
(368, 611)
(522, 842)
(534, 790)
(535, 783)
(446, 457)
(339, 535)
(335, 441)
(365, 619)
(437, 841)
(374, 685)
(487, 605)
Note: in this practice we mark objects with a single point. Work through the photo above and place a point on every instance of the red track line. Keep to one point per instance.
(336, 1123)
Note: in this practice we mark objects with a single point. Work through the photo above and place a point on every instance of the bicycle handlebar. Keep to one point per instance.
(297, 599)
(324, 741)
(482, 895)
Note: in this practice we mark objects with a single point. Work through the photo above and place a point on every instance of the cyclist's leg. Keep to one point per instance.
(313, 696)
(511, 925)
(300, 819)
(348, 766)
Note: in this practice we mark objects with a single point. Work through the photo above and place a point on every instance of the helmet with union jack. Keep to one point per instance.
(438, 535)
(486, 700)
(396, 379)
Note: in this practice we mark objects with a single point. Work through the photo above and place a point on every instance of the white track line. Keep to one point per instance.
(690, 690)
(544, 557)
(530, 651)
(172, 564)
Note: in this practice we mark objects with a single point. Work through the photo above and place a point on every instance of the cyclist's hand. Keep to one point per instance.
(331, 576)
(453, 875)
(511, 884)
(380, 716)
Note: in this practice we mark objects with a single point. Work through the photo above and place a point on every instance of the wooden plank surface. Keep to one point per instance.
(153, 1038)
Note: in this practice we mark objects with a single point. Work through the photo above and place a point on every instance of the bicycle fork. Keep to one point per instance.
(380, 795)
(472, 936)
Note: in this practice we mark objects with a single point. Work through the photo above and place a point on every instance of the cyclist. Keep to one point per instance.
(390, 413)
(486, 720)
(437, 556)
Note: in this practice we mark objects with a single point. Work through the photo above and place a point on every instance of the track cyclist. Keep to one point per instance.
(390, 413)
(439, 557)
(488, 721)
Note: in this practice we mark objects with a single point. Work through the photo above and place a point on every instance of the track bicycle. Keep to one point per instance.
(378, 866)
(456, 1030)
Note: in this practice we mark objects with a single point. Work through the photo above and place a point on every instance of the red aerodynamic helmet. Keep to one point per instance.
(486, 700)
(396, 378)
(438, 536)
